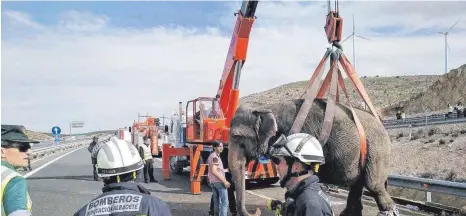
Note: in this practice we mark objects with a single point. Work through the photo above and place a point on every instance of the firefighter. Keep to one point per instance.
(298, 157)
(118, 166)
(146, 155)
(93, 150)
(16, 146)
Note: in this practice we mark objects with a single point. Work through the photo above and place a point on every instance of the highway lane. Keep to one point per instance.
(65, 185)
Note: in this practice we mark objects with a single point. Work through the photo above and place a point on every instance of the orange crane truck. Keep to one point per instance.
(146, 128)
(208, 119)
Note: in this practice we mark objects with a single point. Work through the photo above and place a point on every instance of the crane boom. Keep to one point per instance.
(228, 89)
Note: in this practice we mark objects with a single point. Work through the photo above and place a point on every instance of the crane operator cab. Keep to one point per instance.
(204, 120)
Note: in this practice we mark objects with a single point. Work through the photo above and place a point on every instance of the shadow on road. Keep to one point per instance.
(202, 209)
(82, 177)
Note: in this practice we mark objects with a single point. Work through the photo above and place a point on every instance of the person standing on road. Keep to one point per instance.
(93, 150)
(16, 147)
(217, 180)
(119, 164)
(298, 157)
(146, 155)
(230, 190)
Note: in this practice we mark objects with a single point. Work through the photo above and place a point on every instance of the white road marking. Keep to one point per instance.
(333, 203)
(50, 162)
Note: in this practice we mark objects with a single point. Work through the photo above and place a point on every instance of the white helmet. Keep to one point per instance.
(304, 147)
(117, 157)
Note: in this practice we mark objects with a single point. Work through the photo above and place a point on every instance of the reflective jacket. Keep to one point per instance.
(144, 152)
(14, 193)
(125, 198)
(307, 199)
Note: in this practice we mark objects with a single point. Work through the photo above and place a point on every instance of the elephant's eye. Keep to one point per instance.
(237, 138)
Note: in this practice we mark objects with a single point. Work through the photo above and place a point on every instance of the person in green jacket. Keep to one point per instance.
(16, 147)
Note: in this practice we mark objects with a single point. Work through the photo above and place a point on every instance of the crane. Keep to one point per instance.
(208, 118)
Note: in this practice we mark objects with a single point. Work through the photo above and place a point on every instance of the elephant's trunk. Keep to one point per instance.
(236, 165)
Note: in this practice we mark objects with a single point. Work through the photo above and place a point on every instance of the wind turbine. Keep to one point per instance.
(353, 34)
(446, 44)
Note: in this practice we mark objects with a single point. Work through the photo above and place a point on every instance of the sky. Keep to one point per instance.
(103, 62)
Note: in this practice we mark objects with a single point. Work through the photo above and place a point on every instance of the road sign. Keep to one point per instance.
(77, 124)
(56, 130)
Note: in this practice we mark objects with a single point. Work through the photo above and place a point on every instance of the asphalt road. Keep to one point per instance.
(63, 186)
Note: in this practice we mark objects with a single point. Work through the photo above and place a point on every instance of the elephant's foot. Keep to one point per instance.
(383, 200)
(348, 212)
(354, 203)
(245, 212)
(392, 212)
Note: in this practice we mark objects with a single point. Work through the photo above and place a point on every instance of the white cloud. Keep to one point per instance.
(20, 19)
(105, 76)
(82, 21)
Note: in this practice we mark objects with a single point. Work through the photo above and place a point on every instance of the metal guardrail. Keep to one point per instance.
(435, 119)
(423, 124)
(41, 152)
(430, 186)
(428, 118)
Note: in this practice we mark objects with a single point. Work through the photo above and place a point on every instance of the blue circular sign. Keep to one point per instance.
(56, 130)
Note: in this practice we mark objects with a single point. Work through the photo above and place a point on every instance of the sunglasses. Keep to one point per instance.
(22, 147)
(275, 160)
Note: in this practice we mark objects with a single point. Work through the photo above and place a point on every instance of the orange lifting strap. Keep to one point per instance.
(334, 79)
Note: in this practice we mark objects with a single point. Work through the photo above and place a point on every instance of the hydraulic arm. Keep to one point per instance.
(228, 89)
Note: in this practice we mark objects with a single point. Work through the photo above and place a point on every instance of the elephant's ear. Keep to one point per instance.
(266, 124)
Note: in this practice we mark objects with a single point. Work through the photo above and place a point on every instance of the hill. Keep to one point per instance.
(449, 89)
(41, 136)
(412, 93)
(383, 91)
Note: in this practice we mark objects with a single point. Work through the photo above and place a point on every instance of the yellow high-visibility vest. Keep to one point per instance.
(147, 153)
(7, 175)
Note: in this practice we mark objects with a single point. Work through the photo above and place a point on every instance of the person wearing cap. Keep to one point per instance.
(16, 148)
(118, 165)
(298, 158)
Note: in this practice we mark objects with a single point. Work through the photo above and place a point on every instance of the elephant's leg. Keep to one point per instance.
(382, 198)
(236, 164)
(354, 203)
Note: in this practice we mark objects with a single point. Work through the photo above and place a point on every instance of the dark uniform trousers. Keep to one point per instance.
(124, 199)
(149, 170)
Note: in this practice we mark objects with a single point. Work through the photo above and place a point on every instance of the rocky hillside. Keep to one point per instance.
(39, 136)
(413, 93)
(450, 88)
(383, 91)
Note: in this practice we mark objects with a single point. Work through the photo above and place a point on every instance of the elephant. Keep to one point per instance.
(256, 126)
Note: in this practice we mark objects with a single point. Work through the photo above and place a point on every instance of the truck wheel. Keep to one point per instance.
(268, 181)
(175, 167)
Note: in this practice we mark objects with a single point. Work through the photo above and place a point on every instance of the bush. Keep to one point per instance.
(452, 140)
(451, 176)
(433, 131)
(441, 142)
(455, 135)
(427, 175)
